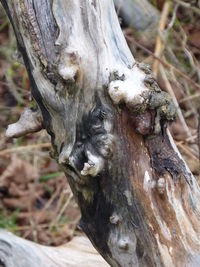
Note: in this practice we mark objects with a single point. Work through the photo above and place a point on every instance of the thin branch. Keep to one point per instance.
(171, 92)
(164, 62)
(187, 151)
(30, 121)
(188, 5)
(24, 148)
(159, 43)
(188, 98)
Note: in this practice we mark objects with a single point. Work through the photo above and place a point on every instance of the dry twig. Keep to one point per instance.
(24, 148)
(159, 43)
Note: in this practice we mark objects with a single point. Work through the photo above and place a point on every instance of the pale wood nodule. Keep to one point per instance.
(107, 119)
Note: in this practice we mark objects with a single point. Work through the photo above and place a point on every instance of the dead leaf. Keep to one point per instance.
(194, 38)
(18, 171)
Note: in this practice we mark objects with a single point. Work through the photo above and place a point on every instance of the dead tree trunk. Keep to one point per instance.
(108, 119)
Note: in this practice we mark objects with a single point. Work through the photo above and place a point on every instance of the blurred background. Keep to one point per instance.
(35, 199)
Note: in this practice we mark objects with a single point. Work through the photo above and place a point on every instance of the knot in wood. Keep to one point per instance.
(123, 243)
(115, 219)
(93, 146)
(143, 123)
(161, 185)
(69, 65)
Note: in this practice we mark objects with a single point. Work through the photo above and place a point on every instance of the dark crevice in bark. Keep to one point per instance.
(96, 219)
(164, 158)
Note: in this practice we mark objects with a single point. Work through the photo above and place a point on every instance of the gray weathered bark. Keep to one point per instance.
(108, 119)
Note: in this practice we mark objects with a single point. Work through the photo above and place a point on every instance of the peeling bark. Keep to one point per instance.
(107, 119)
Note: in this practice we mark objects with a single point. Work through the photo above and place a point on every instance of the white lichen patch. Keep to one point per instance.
(68, 73)
(93, 166)
(130, 89)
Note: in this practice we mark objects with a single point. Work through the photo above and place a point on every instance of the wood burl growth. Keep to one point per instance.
(107, 119)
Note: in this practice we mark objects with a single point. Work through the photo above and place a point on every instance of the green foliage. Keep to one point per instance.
(154, 2)
(9, 222)
(49, 176)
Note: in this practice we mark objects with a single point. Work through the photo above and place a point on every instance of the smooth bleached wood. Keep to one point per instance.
(17, 252)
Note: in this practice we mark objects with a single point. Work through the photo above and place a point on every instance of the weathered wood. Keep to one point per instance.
(139, 14)
(108, 119)
(17, 252)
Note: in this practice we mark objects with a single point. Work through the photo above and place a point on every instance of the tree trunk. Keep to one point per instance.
(107, 119)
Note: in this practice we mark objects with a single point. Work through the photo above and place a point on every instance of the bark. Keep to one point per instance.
(107, 119)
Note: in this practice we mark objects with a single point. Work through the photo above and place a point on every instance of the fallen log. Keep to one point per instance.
(18, 252)
(139, 14)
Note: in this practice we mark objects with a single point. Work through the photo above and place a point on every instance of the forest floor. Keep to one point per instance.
(35, 199)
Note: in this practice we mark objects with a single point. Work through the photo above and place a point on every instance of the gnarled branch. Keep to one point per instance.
(108, 120)
(29, 122)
